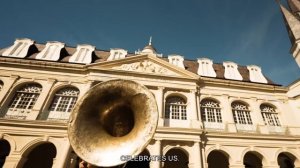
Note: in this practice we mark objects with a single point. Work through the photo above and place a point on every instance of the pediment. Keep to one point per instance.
(144, 64)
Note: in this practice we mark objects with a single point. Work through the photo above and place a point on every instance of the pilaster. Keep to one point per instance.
(227, 113)
(192, 111)
(195, 156)
(160, 104)
(156, 152)
(41, 99)
(62, 154)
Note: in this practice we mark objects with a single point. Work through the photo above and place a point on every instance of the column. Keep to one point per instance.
(13, 160)
(41, 99)
(62, 154)
(156, 152)
(203, 152)
(195, 156)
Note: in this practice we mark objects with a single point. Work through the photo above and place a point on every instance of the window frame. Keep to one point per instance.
(241, 113)
(176, 110)
(211, 111)
(270, 114)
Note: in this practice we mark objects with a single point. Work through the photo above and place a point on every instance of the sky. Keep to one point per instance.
(248, 32)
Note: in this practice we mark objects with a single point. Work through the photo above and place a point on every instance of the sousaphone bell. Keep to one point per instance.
(113, 119)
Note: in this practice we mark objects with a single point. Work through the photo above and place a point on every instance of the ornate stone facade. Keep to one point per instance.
(204, 122)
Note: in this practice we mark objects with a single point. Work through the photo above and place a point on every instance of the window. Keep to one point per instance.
(19, 49)
(206, 67)
(175, 108)
(176, 60)
(255, 74)
(117, 53)
(231, 71)
(210, 111)
(83, 54)
(23, 101)
(241, 113)
(51, 51)
(63, 102)
(269, 115)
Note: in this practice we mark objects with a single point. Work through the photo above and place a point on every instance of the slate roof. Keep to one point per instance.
(102, 55)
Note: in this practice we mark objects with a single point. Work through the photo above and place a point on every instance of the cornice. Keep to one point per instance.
(252, 136)
(40, 124)
(185, 131)
(26, 63)
(242, 85)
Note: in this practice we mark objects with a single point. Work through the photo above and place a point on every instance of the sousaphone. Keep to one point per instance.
(113, 119)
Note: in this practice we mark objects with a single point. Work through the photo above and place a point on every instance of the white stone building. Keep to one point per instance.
(210, 115)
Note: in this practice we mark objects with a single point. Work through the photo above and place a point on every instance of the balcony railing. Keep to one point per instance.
(13, 113)
(61, 116)
(277, 129)
(214, 125)
(245, 128)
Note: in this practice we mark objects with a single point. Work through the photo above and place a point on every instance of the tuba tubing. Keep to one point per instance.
(113, 119)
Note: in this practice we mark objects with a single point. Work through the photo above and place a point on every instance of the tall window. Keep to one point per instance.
(64, 100)
(175, 108)
(23, 101)
(241, 113)
(210, 111)
(269, 115)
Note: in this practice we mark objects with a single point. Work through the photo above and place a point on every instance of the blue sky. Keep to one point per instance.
(246, 32)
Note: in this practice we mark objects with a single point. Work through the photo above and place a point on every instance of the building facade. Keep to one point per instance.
(211, 115)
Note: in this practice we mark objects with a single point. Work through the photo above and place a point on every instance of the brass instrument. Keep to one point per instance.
(113, 119)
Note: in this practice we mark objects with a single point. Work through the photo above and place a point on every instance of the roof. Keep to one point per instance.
(102, 56)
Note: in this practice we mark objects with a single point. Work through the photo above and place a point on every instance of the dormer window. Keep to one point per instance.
(51, 51)
(231, 71)
(176, 60)
(116, 54)
(19, 49)
(256, 75)
(206, 67)
(83, 54)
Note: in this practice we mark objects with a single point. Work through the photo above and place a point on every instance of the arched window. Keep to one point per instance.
(63, 102)
(269, 115)
(175, 108)
(241, 113)
(211, 111)
(23, 101)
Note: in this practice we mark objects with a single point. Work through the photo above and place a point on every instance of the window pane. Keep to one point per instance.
(270, 115)
(241, 113)
(210, 111)
(175, 108)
